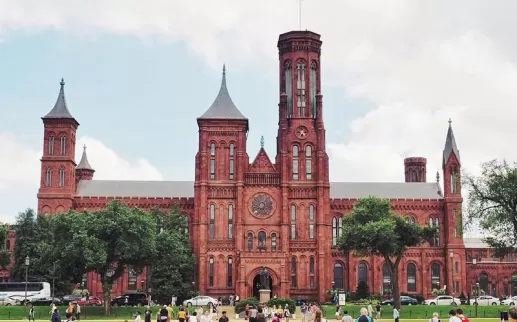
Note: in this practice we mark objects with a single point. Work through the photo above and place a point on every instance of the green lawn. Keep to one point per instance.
(424, 311)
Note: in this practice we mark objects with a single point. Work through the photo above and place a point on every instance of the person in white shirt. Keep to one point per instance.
(137, 317)
(435, 317)
(453, 317)
(346, 317)
(396, 314)
(193, 317)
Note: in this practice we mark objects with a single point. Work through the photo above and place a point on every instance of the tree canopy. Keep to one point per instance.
(492, 204)
(373, 229)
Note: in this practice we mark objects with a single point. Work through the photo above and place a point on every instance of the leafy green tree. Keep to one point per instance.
(27, 236)
(171, 272)
(5, 255)
(492, 204)
(362, 291)
(373, 229)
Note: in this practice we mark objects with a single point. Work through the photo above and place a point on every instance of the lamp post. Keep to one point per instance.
(27, 262)
(476, 300)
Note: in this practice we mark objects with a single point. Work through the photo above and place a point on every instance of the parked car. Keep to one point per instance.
(485, 300)
(509, 301)
(7, 301)
(201, 301)
(130, 299)
(443, 300)
(45, 301)
(404, 300)
(70, 298)
(92, 301)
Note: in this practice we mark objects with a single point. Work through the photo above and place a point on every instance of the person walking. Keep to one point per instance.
(378, 311)
(77, 312)
(435, 317)
(396, 313)
(31, 313)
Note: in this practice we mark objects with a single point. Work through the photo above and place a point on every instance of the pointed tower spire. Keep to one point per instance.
(450, 145)
(223, 106)
(84, 164)
(60, 110)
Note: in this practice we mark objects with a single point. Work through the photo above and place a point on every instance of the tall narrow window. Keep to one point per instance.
(273, 242)
(261, 240)
(212, 161)
(62, 177)
(211, 272)
(312, 269)
(295, 163)
(437, 237)
(411, 277)
(250, 241)
(289, 87)
(337, 229)
(454, 180)
(51, 143)
(293, 221)
(435, 276)
(294, 280)
(313, 88)
(311, 221)
(230, 221)
(131, 278)
(63, 145)
(338, 276)
(308, 162)
(362, 273)
(48, 177)
(232, 161)
(386, 277)
(230, 272)
(212, 222)
(300, 87)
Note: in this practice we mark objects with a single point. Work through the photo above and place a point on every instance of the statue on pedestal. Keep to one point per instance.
(264, 279)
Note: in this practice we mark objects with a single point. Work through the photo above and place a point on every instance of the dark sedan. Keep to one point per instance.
(404, 300)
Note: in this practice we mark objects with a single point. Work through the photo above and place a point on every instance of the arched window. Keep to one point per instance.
(300, 87)
(312, 269)
(386, 277)
(132, 278)
(212, 161)
(417, 175)
(337, 229)
(338, 276)
(454, 180)
(51, 144)
(212, 222)
(483, 283)
(412, 220)
(232, 161)
(362, 273)
(289, 87)
(411, 277)
(308, 162)
(230, 221)
(62, 177)
(273, 242)
(250, 241)
(230, 272)
(437, 237)
(294, 280)
(48, 177)
(311, 221)
(457, 268)
(313, 81)
(63, 145)
(293, 221)
(261, 240)
(436, 276)
(295, 163)
(211, 272)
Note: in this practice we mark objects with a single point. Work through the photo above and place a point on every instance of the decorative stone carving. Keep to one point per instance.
(262, 205)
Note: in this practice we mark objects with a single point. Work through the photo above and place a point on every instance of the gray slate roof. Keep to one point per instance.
(60, 110)
(223, 106)
(450, 145)
(473, 242)
(84, 164)
(167, 189)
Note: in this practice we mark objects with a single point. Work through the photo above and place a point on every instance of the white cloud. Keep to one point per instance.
(416, 62)
(19, 185)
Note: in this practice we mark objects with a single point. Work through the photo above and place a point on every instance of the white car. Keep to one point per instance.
(485, 300)
(443, 300)
(510, 301)
(200, 301)
(6, 301)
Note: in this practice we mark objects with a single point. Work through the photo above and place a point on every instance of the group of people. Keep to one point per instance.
(263, 313)
(72, 313)
(167, 314)
(366, 315)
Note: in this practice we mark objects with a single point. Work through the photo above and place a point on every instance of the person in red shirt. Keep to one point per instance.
(462, 317)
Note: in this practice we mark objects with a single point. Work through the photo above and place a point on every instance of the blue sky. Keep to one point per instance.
(139, 74)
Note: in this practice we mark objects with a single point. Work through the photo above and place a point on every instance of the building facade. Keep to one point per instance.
(280, 211)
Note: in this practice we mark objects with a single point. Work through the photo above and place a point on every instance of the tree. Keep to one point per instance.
(171, 272)
(373, 229)
(27, 236)
(362, 291)
(492, 204)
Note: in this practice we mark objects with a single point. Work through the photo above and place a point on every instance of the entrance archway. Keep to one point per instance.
(256, 286)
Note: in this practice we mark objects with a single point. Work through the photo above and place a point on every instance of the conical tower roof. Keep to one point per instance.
(60, 110)
(84, 164)
(450, 145)
(223, 106)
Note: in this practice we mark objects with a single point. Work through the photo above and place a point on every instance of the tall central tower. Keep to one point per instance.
(303, 162)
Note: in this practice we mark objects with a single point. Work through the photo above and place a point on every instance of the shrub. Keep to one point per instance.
(278, 301)
(241, 305)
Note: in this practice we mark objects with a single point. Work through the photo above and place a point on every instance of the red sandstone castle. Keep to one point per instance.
(281, 213)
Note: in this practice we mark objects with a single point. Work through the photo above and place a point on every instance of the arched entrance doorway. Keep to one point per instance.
(256, 286)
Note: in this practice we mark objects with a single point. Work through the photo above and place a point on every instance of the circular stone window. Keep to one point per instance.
(262, 205)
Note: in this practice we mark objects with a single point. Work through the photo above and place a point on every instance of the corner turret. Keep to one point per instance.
(84, 170)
